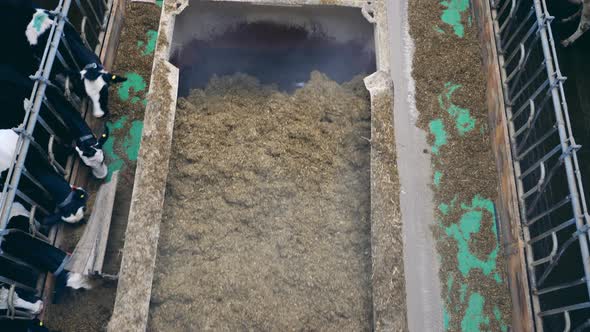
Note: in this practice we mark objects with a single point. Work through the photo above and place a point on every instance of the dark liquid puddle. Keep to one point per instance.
(273, 53)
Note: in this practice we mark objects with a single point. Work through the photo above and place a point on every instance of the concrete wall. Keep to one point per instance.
(508, 210)
(139, 255)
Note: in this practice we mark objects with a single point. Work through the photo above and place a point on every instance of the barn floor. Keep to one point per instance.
(472, 287)
(451, 110)
(91, 310)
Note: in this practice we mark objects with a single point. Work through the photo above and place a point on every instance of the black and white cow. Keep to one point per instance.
(92, 81)
(70, 201)
(19, 303)
(43, 257)
(16, 88)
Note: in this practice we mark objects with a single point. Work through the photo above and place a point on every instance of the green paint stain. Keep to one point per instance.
(119, 124)
(140, 43)
(130, 144)
(497, 278)
(474, 316)
(446, 318)
(159, 3)
(450, 281)
(116, 163)
(439, 30)
(452, 15)
(150, 45)
(497, 313)
(135, 99)
(437, 128)
(437, 178)
(133, 140)
(463, 120)
(498, 317)
(462, 292)
(479, 202)
(444, 208)
(469, 224)
(38, 20)
(144, 102)
(134, 82)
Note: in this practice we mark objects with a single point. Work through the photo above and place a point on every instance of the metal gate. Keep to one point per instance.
(554, 215)
(46, 133)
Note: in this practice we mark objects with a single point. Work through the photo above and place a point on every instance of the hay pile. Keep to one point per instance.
(267, 210)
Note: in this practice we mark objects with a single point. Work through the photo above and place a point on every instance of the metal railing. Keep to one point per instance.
(48, 134)
(553, 211)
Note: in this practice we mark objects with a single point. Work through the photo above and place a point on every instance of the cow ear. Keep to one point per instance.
(103, 138)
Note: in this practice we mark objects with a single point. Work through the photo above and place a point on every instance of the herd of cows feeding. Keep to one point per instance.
(30, 29)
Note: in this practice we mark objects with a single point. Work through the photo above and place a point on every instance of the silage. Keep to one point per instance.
(267, 212)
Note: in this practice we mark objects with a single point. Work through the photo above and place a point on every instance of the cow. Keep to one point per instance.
(15, 88)
(19, 303)
(43, 256)
(70, 201)
(27, 49)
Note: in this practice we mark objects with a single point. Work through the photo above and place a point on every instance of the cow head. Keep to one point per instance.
(96, 86)
(71, 210)
(90, 151)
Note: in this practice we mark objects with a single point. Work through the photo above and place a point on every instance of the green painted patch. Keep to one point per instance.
(463, 120)
(437, 128)
(438, 29)
(469, 224)
(462, 293)
(498, 317)
(437, 178)
(159, 3)
(150, 44)
(497, 278)
(134, 83)
(450, 281)
(444, 208)
(133, 140)
(115, 161)
(474, 316)
(129, 144)
(446, 318)
(452, 15)
(38, 20)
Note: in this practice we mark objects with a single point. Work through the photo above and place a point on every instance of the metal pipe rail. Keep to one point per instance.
(554, 215)
(32, 113)
(29, 132)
